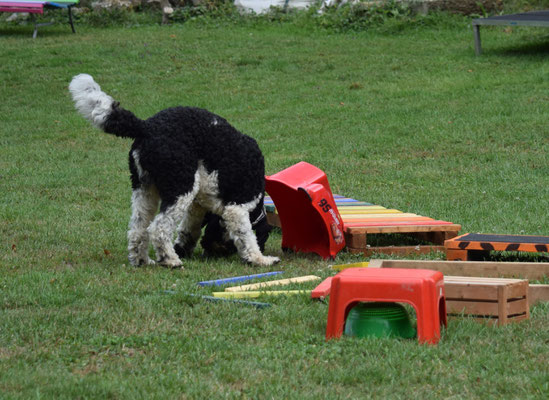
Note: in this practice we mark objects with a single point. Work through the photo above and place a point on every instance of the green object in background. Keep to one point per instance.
(379, 320)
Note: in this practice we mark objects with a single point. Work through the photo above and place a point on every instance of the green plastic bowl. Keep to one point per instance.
(379, 320)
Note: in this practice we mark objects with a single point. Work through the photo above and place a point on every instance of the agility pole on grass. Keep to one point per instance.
(257, 293)
(225, 281)
(213, 299)
(280, 282)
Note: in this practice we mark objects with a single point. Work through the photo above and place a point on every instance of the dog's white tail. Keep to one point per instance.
(101, 109)
(89, 100)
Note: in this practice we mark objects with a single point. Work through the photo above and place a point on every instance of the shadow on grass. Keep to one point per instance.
(26, 31)
(537, 49)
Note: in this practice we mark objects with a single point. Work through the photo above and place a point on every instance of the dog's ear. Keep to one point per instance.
(115, 105)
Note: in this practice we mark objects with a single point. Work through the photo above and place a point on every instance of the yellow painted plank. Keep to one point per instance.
(375, 211)
(368, 212)
(383, 216)
(256, 293)
(349, 210)
(259, 285)
(359, 209)
(341, 267)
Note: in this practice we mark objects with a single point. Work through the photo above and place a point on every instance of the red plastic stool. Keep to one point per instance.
(308, 214)
(422, 288)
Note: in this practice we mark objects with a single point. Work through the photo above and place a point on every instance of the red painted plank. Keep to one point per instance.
(22, 10)
(19, 6)
(364, 220)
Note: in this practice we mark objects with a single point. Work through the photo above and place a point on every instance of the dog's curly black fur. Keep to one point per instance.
(195, 167)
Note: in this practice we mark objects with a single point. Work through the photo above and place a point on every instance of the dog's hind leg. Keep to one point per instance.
(239, 228)
(189, 230)
(144, 206)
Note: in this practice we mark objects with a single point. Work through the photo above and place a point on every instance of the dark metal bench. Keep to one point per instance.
(534, 18)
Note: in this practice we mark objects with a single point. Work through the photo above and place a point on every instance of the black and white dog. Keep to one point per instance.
(186, 165)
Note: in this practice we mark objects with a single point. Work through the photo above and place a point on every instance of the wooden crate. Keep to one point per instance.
(475, 246)
(362, 219)
(496, 300)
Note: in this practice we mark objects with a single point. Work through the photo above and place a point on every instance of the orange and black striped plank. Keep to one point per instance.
(486, 242)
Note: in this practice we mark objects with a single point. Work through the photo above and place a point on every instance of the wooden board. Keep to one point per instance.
(538, 294)
(358, 222)
(396, 250)
(471, 268)
(451, 228)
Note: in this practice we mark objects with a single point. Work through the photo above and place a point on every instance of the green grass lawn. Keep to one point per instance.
(406, 117)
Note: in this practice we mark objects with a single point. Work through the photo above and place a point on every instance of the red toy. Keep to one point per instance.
(308, 214)
(423, 289)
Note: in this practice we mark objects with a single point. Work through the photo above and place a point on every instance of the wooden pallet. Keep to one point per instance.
(476, 246)
(496, 300)
(362, 219)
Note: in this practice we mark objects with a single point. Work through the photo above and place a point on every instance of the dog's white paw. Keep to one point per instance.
(140, 261)
(265, 261)
(171, 263)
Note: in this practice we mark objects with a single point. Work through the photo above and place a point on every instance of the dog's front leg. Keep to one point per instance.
(144, 206)
(239, 228)
(162, 230)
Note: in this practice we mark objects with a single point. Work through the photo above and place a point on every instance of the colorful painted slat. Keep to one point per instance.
(362, 221)
(355, 209)
(372, 215)
(398, 223)
(338, 199)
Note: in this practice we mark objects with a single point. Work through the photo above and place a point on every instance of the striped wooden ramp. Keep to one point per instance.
(476, 246)
(362, 219)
